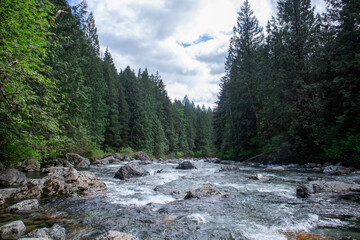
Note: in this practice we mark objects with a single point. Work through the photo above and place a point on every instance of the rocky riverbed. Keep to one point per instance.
(207, 199)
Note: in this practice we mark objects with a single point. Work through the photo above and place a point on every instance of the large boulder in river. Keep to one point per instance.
(13, 230)
(306, 190)
(205, 191)
(24, 206)
(68, 181)
(56, 232)
(114, 235)
(12, 177)
(77, 160)
(141, 156)
(186, 165)
(130, 171)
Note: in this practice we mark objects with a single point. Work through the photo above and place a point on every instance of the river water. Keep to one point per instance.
(247, 209)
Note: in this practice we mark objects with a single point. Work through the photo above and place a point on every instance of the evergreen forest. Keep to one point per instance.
(59, 95)
(290, 91)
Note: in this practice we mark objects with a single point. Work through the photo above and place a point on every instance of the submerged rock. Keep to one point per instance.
(205, 191)
(186, 165)
(301, 235)
(279, 168)
(114, 235)
(229, 168)
(130, 171)
(13, 230)
(260, 177)
(24, 206)
(12, 177)
(306, 190)
(56, 232)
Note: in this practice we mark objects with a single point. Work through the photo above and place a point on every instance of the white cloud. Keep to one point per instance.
(146, 34)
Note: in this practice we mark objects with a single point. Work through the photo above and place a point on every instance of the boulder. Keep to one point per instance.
(33, 189)
(12, 177)
(260, 177)
(127, 158)
(24, 206)
(205, 191)
(6, 194)
(130, 171)
(114, 235)
(77, 160)
(118, 157)
(301, 235)
(13, 230)
(186, 165)
(229, 168)
(68, 181)
(306, 190)
(141, 156)
(31, 165)
(166, 189)
(56, 232)
(337, 170)
(279, 168)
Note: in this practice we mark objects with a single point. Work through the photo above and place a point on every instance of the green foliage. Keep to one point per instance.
(198, 154)
(127, 151)
(346, 148)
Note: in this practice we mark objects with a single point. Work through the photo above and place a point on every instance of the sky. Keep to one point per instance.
(186, 41)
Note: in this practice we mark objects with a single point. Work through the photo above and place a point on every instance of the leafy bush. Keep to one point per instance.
(127, 151)
(345, 148)
(198, 154)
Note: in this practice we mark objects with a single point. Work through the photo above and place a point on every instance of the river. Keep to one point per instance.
(248, 209)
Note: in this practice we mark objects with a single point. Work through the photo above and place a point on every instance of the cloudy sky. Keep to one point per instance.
(186, 41)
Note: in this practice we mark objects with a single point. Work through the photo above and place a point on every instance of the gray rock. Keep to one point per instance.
(12, 177)
(326, 187)
(115, 235)
(118, 157)
(13, 230)
(337, 170)
(205, 191)
(127, 158)
(6, 194)
(31, 165)
(68, 181)
(141, 156)
(56, 232)
(24, 206)
(130, 171)
(260, 177)
(275, 169)
(186, 165)
(77, 160)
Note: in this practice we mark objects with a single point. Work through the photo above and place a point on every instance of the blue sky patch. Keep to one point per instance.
(202, 38)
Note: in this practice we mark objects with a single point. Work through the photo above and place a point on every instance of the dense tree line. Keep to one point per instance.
(59, 94)
(292, 93)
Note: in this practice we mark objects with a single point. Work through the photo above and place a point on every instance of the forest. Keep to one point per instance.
(290, 93)
(59, 95)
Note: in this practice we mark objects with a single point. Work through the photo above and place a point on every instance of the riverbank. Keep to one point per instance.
(153, 206)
